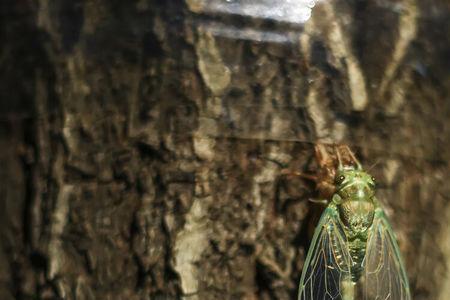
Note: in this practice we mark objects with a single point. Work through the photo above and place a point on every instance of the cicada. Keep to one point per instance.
(353, 253)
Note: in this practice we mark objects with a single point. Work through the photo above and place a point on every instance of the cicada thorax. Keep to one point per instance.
(356, 215)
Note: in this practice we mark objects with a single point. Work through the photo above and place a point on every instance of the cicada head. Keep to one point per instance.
(354, 184)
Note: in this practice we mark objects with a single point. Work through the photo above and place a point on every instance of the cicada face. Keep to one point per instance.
(354, 184)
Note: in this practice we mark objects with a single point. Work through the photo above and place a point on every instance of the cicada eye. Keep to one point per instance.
(373, 181)
(340, 179)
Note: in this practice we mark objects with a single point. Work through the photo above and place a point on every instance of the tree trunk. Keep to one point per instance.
(142, 142)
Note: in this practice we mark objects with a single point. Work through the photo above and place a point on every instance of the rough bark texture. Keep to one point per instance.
(142, 142)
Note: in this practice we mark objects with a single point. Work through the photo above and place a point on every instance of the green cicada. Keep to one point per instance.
(354, 253)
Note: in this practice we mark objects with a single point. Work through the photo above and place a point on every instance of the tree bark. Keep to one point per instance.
(142, 142)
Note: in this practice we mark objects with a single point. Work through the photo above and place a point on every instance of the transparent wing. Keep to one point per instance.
(384, 275)
(326, 274)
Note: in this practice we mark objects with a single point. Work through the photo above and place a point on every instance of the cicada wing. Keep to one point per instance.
(384, 276)
(326, 272)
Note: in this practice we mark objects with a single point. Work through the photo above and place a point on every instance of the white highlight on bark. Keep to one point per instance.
(215, 73)
(189, 246)
(204, 147)
(291, 11)
(59, 220)
(305, 40)
(261, 205)
(339, 131)
(69, 129)
(247, 33)
(397, 99)
(341, 49)
(267, 175)
(316, 113)
(314, 105)
(407, 32)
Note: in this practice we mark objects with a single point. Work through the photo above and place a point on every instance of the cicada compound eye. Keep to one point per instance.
(372, 182)
(340, 179)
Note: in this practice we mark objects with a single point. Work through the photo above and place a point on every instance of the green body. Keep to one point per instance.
(355, 201)
(353, 254)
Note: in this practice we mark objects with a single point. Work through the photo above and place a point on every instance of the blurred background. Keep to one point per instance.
(141, 142)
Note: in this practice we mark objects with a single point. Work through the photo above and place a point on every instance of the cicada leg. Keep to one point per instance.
(290, 173)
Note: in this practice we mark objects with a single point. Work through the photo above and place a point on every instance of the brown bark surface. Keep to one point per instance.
(142, 142)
